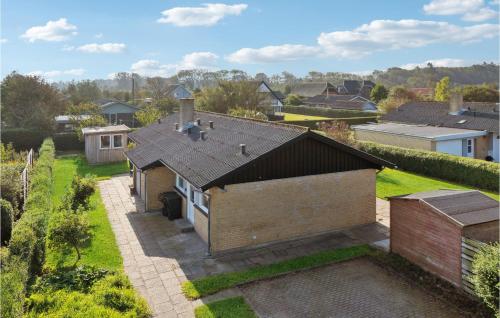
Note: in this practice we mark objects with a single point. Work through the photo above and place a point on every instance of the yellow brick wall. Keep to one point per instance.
(201, 224)
(394, 140)
(158, 180)
(481, 147)
(251, 214)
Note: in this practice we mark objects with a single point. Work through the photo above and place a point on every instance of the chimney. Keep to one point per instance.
(186, 112)
(243, 149)
(211, 124)
(456, 104)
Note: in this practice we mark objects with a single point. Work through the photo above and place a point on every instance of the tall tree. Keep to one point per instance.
(84, 91)
(442, 92)
(378, 93)
(482, 93)
(30, 102)
(158, 87)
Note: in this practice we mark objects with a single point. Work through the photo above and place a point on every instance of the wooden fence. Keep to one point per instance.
(25, 175)
(469, 248)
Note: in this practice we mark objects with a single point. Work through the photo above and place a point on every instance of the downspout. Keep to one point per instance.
(209, 243)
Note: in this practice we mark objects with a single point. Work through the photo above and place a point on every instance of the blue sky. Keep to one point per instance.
(62, 39)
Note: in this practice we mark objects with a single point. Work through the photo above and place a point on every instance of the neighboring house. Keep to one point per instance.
(455, 114)
(313, 89)
(349, 102)
(178, 91)
(105, 144)
(431, 229)
(454, 141)
(65, 123)
(117, 112)
(355, 87)
(275, 98)
(246, 183)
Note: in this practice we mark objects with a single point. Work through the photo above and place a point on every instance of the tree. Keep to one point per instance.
(262, 77)
(247, 113)
(158, 87)
(398, 95)
(71, 230)
(339, 130)
(166, 105)
(482, 93)
(85, 115)
(148, 115)
(293, 100)
(378, 93)
(82, 92)
(485, 269)
(29, 102)
(442, 92)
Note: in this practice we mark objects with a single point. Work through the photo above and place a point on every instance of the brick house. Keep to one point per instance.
(245, 183)
(427, 228)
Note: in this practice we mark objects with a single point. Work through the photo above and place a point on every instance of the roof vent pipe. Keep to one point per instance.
(177, 126)
(188, 131)
(198, 121)
(243, 149)
(203, 134)
(211, 124)
(159, 120)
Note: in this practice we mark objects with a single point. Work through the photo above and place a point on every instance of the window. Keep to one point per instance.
(180, 183)
(202, 200)
(105, 142)
(117, 141)
(469, 145)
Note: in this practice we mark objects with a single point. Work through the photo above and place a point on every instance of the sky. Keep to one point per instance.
(64, 40)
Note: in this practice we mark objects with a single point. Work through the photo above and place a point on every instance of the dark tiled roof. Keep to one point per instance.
(310, 89)
(353, 87)
(111, 103)
(481, 116)
(465, 207)
(202, 162)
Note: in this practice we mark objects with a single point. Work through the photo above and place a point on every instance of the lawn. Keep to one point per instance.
(392, 182)
(235, 307)
(102, 250)
(294, 117)
(212, 284)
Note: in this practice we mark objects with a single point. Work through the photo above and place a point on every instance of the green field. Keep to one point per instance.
(102, 250)
(392, 182)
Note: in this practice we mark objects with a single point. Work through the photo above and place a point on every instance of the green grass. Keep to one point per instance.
(294, 117)
(235, 307)
(102, 250)
(392, 182)
(212, 284)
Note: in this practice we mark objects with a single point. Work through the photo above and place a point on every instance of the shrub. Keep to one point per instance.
(7, 218)
(23, 139)
(468, 171)
(82, 189)
(68, 141)
(10, 185)
(326, 112)
(27, 243)
(81, 278)
(485, 269)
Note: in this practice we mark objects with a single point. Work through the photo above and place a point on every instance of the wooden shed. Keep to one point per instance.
(431, 229)
(105, 144)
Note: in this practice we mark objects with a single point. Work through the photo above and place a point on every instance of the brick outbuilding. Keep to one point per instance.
(427, 228)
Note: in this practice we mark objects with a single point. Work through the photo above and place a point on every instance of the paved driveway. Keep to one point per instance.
(356, 288)
(158, 257)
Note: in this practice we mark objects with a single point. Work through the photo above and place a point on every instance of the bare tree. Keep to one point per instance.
(158, 87)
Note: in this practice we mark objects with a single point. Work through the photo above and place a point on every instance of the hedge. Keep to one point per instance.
(314, 124)
(25, 139)
(68, 141)
(326, 112)
(468, 171)
(27, 244)
(7, 218)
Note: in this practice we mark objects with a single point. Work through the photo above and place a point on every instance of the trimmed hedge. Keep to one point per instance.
(27, 244)
(68, 141)
(314, 124)
(25, 139)
(468, 171)
(326, 112)
(7, 218)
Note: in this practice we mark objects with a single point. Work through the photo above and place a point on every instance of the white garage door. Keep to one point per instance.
(452, 147)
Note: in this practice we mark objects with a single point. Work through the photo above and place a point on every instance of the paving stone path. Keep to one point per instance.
(157, 257)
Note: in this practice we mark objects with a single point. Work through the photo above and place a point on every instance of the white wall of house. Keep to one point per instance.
(495, 149)
(452, 147)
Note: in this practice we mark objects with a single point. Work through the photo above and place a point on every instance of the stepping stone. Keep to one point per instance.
(184, 225)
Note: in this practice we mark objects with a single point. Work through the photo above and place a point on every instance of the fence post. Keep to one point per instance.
(25, 175)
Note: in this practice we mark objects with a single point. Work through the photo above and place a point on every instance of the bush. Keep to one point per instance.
(326, 112)
(485, 269)
(7, 218)
(82, 189)
(468, 171)
(27, 244)
(23, 139)
(81, 279)
(68, 141)
(10, 185)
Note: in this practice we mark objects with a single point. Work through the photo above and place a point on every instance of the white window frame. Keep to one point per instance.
(100, 142)
(198, 200)
(183, 189)
(121, 138)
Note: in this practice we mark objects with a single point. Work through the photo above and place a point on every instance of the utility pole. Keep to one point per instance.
(133, 89)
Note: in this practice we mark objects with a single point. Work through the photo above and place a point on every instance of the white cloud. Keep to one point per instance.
(205, 60)
(98, 35)
(470, 10)
(52, 31)
(274, 53)
(3, 40)
(54, 73)
(382, 35)
(446, 62)
(378, 35)
(195, 60)
(102, 48)
(207, 15)
(68, 48)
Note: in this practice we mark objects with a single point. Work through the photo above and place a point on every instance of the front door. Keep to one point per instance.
(190, 204)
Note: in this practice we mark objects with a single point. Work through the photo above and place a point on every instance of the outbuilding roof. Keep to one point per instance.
(465, 207)
(311, 89)
(204, 161)
(421, 131)
(105, 130)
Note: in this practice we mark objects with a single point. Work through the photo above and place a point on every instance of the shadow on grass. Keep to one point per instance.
(101, 171)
